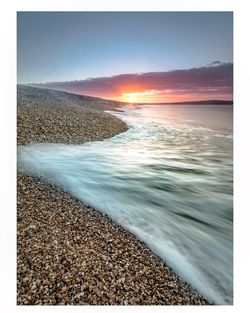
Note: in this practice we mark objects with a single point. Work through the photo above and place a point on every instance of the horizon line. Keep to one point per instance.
(135, 103)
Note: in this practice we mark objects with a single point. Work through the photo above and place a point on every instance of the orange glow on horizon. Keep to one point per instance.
(159, 96)
(133, 97)
(141, 96)
(129, 98)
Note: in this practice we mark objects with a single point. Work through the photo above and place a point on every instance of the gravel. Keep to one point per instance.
(55, 116)
(67, 252)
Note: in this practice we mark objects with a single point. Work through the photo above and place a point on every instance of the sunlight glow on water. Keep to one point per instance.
(168, 180)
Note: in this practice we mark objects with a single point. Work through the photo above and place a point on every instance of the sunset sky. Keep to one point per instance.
(134, 57)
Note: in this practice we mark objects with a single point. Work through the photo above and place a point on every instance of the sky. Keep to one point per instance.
(128, 56)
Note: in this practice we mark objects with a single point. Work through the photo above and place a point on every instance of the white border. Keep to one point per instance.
(8, 135)
(128, 5)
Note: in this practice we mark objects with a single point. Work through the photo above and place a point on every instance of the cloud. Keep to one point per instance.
(215, 63)
(208, 81)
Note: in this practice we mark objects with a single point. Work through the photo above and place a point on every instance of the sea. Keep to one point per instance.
(168, 180)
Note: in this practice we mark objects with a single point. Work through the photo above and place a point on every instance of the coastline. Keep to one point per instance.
(67, 252)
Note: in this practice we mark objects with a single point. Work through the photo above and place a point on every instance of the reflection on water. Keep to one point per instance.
(168, 180)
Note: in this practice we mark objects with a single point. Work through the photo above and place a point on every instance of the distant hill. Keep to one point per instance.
(217, 102)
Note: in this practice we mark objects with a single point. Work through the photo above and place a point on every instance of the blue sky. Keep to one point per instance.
(75, 46)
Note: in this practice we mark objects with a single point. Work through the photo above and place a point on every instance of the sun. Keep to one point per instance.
(131, 99)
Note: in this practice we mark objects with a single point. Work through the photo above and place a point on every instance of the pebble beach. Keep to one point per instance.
(67, 252)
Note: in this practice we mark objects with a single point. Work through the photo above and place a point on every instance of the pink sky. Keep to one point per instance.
(210, 82)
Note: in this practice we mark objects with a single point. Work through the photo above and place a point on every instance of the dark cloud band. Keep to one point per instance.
(214, 79)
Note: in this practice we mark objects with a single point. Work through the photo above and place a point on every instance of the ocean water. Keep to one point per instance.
(168, 180)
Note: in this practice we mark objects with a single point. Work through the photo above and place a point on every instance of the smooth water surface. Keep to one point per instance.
(168, 180)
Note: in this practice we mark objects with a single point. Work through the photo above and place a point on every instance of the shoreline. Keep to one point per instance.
(68, 252)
